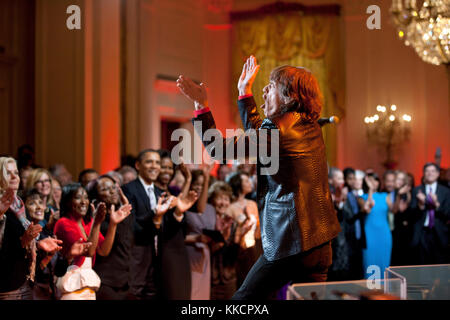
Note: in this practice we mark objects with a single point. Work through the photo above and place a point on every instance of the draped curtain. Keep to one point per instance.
(293, 38)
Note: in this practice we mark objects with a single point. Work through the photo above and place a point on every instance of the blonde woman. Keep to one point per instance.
(41, 180)
(18, 244)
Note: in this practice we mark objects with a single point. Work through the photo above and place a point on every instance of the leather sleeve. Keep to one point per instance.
(249, 114)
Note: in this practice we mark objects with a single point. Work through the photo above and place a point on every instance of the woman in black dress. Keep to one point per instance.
(173, 272)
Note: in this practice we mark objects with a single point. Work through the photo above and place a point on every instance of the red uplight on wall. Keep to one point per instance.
(217, 27)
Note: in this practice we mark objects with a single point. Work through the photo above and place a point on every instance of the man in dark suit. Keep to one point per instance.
(430, 206)
(297, 217)
(141, 195)
(157, 222)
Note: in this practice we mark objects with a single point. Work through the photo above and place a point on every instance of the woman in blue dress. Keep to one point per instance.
(376, 226)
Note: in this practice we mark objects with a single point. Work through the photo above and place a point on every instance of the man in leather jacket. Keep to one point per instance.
(298, 220)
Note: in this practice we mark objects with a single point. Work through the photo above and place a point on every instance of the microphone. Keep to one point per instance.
(324, 121)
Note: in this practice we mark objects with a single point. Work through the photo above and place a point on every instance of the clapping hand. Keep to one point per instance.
(99, 213)
(163, 205)
(224, 226)
(405, 189)
(118, 216)
(31, 233)
(79, 248)
(185, 203)
(203, 238)
(249, 71)
(421, 197)
(196, 93)
(435, 200)
(341, 194)
(6, 200)
(50, 245)
(243, 229)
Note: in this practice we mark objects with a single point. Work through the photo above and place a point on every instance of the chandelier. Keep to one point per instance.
(388, 130)
(424, 25)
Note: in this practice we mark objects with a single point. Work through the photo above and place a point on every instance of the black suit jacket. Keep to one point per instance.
(143, 227)
(441, 215)
(14, 260)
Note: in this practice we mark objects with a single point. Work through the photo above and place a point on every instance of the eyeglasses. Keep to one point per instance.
(43, 181)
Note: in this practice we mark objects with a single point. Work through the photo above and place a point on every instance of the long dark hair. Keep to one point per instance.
(235, 183)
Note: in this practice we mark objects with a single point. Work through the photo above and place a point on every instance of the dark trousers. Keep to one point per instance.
(111, 293)
(142, 273)
(430, 250)
(265, 277)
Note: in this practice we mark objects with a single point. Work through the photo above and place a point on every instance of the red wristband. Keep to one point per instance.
(245, 96)
(201, 111)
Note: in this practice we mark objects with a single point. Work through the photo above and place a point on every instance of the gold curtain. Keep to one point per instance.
(311, 41)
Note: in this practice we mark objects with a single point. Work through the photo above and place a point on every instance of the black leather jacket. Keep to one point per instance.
(295, 206)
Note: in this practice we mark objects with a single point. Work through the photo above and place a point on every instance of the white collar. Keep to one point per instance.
(145, 184)
(433, 187)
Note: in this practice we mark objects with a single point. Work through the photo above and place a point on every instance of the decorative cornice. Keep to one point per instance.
(282, 7)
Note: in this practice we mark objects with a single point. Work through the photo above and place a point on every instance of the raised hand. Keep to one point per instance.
(207, 168)
(123, 198)
(196, 93)
(185, 171)
(6, 200)
(185, 203)
(405, 189)
(32, 232)
(163, 205)
(249, 71)
(50, 245)
(118, 216)
(54, 216)
(370, 183)
(99, 213)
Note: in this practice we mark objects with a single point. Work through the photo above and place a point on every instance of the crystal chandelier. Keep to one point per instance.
(424, 25)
